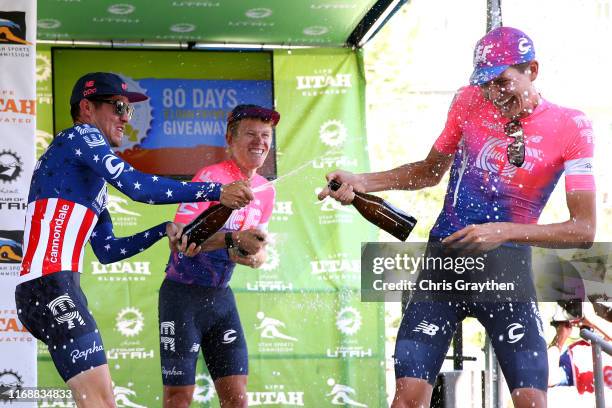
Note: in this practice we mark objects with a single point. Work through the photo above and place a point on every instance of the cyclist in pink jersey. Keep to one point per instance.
(197, 308)
(506, 147)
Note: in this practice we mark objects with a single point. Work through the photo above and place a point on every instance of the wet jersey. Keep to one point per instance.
(68, 197)
(214, 268)
(484, 186)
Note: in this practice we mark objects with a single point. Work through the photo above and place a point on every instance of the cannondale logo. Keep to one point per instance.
(523, 46)
(48, 23)
(182, 28)
(10, 166)
(348, 320)
(10, 381)
(513, 336)
(129, 321)
(115, 169)
(333, 133)
(258, 13)
(315, 30)
(204, 388)
(121, 9)
(229, 336)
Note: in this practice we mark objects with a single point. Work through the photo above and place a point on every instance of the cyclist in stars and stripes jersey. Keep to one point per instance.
(508, 147)
(67, 208)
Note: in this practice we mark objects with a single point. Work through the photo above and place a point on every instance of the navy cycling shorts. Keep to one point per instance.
(54, 309)
(193, 317)
(513, 322)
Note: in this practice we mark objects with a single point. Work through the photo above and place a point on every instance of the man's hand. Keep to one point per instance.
(478, 238)
(254, 261)
(345, 194)
(237, 194)
(178, 244)
(250, 241)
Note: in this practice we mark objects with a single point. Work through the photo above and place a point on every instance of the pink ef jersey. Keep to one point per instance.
(214, 268)
(484, 186)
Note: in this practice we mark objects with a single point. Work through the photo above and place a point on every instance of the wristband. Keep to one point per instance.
(229, 241)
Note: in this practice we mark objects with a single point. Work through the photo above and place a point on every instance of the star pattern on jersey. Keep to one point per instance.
(137, 186)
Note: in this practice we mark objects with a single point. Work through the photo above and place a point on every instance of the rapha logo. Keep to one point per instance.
(333, 133)
(204, 388)
(129, 321)
(114, 168)
(11, 166)
(77, 354)
(13, 27)
(348, 320)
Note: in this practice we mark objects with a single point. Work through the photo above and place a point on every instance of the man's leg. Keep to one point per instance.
(515, 330)
(232, 391)
(180, 339)
(178, 396)
(93, 388)
(422, 343)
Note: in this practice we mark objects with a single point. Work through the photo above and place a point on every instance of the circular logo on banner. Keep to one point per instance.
(315, 30)
(43, 68)
(9, 381)
(121, 9)
(140, 124)
(204, 388)
(10, 166)
(48, 23)
(272, 259)
(130, 321)
(348, 320)
(333, 133)
(258, 13)
(182, 28)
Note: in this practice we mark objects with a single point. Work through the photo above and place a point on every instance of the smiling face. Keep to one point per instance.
(249, 143)
(103, 116)
(513, 92)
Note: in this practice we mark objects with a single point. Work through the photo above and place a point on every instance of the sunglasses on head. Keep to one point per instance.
(516, 149)
(121, 108)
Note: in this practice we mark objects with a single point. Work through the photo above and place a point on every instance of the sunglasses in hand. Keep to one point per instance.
(516, 149)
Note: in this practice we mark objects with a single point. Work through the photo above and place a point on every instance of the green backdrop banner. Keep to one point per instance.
(311, 341)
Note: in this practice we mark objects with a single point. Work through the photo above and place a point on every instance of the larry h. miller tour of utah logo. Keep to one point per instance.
(13, 28)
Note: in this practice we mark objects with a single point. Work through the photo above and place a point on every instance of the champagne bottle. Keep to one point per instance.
(380, 213)
(207, 223)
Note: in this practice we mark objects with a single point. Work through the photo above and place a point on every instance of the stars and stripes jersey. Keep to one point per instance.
(68, 193)
(214, 268)
(484, 186)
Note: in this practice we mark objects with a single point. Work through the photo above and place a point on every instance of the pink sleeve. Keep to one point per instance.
(451, 135)
(578, 154)
(186, 212)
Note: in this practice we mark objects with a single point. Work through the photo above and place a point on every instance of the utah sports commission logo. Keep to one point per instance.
(13, 28)
(11, 166)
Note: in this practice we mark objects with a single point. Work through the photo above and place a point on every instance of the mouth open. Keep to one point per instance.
(256, 152)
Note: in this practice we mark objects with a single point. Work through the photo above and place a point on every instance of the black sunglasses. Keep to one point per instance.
(516, 149)
(121, 108)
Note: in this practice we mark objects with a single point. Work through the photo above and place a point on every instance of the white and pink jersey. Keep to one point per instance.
(214, 268)
(484, 186)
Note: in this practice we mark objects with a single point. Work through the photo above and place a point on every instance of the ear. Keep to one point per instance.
(228, 137)
(86, 108)
(533, 67)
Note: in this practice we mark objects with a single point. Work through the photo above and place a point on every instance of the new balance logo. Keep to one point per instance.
(428, 328)
(195, 348)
